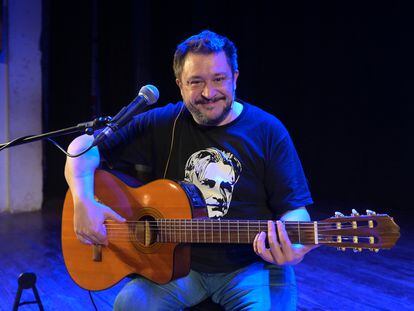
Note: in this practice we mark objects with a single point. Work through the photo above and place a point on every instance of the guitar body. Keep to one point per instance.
(159, 262)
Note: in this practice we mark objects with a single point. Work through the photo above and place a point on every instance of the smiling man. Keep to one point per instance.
(208, 85)
(243, 161)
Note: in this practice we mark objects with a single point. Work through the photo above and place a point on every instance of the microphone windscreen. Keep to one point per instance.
(150, 92)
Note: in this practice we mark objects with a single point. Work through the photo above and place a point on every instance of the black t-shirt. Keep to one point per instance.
(247, 169)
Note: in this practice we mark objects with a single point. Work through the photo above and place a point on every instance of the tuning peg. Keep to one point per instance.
(376, 250)
(341, 249)
(354, 212)
(370, 222)
(357, 249)
(339, 214)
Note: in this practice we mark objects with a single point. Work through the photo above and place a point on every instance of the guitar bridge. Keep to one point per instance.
(97, 252)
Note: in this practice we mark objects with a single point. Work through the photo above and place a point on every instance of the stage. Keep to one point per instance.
(327, 279)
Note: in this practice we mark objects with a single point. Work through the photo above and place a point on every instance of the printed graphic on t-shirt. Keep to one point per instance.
(215, 173)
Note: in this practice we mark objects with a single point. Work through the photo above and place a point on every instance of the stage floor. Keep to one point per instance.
(327, 279)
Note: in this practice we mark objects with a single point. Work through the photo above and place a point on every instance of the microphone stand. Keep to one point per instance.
(86, 127)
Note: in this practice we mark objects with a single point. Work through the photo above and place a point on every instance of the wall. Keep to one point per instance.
(20, 106)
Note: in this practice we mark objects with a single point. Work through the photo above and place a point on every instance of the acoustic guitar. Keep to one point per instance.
(164, 217)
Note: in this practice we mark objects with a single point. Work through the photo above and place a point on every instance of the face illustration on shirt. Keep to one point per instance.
(215, 173)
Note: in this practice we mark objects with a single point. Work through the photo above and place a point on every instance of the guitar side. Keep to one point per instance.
(158, 262)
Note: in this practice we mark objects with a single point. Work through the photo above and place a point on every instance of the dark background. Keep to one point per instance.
(338, 74)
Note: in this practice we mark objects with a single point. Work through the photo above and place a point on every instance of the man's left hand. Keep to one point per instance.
(281, 250)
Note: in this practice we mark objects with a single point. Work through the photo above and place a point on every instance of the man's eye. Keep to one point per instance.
(226, 186)
(219, 79)
(195, 82)
(208, 182)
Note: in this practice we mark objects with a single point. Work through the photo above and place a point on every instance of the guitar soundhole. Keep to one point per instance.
(145, 231)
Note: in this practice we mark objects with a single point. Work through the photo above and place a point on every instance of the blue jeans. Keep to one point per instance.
(259, 286)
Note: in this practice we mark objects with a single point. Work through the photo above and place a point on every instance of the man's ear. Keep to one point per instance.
(180, 85)
(235, 76)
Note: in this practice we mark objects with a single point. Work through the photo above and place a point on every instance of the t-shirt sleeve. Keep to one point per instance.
(140, 142)
(285, 180)
(129, 145)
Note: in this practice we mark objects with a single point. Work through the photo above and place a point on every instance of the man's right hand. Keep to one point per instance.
(89, 217)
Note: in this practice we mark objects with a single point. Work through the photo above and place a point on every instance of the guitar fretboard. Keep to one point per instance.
(223, 231)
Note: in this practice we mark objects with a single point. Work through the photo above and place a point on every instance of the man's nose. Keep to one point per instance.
(209, 90)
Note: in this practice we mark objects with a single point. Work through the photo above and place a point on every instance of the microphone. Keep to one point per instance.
(147, 95)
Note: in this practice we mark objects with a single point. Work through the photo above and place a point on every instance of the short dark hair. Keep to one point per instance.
(206, 42)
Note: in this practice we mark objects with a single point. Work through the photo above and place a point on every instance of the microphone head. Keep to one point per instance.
(150, 92)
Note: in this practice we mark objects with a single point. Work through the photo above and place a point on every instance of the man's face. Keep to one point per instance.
(207, 86)
(216, 184)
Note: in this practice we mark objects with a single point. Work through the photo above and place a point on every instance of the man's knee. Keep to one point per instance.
(141, 294)
(134, 296)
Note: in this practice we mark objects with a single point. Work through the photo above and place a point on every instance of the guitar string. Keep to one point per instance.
(232, 226)
(241, 221)
(227, 224)
(224, 222)
(224, 226)
(345, 240)
(194, 231)
(225, 230)
(360, 217)
(245, 240)
(348, 241)
(205, 225)
(251, 232)
(210, 223)
(248, 236)
(234, 241)
(181, 226)
(209, 236)
(242, 234)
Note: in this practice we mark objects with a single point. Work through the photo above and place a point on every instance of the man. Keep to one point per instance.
(243, 161)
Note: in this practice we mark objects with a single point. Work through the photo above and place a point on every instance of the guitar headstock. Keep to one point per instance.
(371, 231)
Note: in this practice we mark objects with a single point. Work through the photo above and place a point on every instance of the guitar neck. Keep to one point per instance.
(227, 231)
(359, 232)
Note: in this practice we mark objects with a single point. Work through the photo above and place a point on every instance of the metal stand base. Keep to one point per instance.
(27, 280)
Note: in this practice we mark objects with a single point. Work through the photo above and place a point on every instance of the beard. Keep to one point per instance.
(202, 118)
